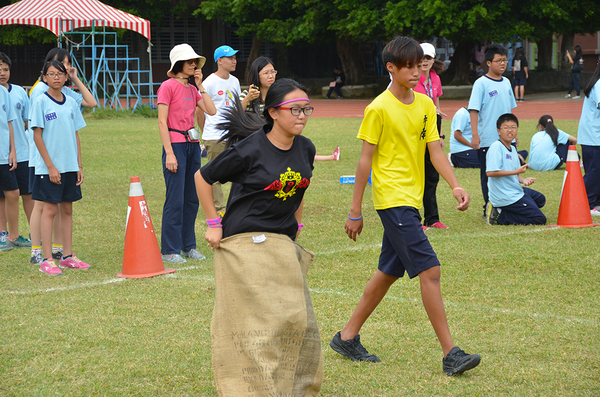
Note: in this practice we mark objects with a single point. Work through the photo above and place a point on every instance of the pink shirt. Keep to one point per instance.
(181, 101)
(433, 89)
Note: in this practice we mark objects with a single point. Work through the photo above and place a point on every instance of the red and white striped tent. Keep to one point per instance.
(60, 16)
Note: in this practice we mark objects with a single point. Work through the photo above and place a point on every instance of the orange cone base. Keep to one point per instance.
(576, 226)
(143, 275)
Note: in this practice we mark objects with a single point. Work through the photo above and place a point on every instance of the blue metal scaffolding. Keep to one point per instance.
(117, 80)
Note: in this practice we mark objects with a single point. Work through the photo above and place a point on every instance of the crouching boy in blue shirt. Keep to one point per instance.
(510, 204)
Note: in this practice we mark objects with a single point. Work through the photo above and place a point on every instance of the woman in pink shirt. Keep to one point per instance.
(430, 85)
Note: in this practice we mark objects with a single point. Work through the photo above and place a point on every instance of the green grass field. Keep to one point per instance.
(525, 298)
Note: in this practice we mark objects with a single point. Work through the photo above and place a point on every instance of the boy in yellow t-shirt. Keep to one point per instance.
(398, 125)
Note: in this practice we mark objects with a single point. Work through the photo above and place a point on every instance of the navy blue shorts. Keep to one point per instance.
(22, 173)
(48, 192)
(466, 159)
(519, 82)
(31, 178)
(405, 246)
(8, 179)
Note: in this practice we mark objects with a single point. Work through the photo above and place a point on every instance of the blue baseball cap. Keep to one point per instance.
(224, 51)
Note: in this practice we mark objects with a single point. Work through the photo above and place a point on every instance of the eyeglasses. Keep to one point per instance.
(512, 128)
(429, 58)
(501, 61)
(296, 111)
(53, 75)
(267, 72)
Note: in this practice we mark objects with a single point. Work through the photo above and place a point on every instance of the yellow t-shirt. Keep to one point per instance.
(401, 133)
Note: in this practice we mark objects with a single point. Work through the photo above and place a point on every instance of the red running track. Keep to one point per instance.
(529, 110)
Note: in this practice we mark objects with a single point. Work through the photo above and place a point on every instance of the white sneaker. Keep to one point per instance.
(450, 159)
(595, 212)
(173, 258)
(576, 96)
(568, 96)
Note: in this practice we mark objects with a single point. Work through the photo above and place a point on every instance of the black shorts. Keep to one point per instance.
(8, 179)
(405, 246)
(22, 173)
(48, 192)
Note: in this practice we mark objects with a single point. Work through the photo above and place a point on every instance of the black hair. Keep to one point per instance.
(506, 117)
(240, 124)
(178, 67)
(547, 122)
(59, 54)
(4, 58)
(254, 79)
(57, 64)
(494, 49)
(402, 51)
(577, 49)
(593, 80)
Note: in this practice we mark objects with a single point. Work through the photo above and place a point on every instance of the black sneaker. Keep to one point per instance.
(352, 348)
(492, 214)
(457, 361)
(57, 255)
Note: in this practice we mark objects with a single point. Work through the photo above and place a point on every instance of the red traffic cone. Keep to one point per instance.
(141, 257)
(574, 209)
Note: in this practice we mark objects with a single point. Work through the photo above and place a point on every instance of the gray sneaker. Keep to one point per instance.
(36, 259)
(21, 242)
(193, 254)
(5, 244)
(352, 348)
(173, 258)
(457, 361)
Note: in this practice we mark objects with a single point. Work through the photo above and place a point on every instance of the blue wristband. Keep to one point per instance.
(355, 219)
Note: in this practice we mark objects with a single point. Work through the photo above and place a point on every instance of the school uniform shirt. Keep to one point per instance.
(37, 90)
(7, 115)
(504, 190)
(542, 151)
(588, 132)
(491, 98)
(401, 133)
(461, 122)
(182, 101)
(20, 103)
(59, 121)
(268, 183)
(221, 91)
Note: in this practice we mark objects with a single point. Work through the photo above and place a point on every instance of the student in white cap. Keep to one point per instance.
(178, 98)
(221, 86)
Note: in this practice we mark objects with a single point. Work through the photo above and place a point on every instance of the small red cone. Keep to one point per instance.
(574, 209)
(141, 257)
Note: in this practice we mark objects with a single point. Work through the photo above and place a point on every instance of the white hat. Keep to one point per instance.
(428, 49)
(184, 52)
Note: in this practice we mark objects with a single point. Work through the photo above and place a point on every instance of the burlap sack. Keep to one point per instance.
(265, 338)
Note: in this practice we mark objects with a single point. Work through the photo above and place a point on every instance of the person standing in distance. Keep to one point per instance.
(221, 86)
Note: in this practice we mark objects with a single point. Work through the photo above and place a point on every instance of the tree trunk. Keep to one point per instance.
(459, 67)
(254, 53)
(566, 45)
(545, 54)
(351, 60)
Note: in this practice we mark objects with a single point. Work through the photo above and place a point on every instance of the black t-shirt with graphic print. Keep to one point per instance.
(268, 183)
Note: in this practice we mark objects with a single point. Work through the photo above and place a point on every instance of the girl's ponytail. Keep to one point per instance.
(547, 122)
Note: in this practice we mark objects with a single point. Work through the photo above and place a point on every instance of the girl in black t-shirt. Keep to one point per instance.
(576, 62)
(269, 164)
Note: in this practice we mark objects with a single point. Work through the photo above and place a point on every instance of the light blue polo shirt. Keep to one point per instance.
(59, 122)
(491, 98)
(461, 122)
(542, 152)
(504, 190)
(7, 115)
(588, 132)
(39, 89)
(20, 103)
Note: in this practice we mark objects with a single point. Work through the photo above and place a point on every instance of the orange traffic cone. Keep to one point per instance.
(141, 257)
(574, 210)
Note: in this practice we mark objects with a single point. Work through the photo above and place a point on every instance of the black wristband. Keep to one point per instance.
(442, 136)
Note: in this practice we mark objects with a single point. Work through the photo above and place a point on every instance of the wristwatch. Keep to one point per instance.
(442, 136)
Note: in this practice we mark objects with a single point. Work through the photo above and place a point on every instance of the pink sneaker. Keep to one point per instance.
(50, 268)
(425, 227)
(336, 153)
(439, 225)
(73, 263)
